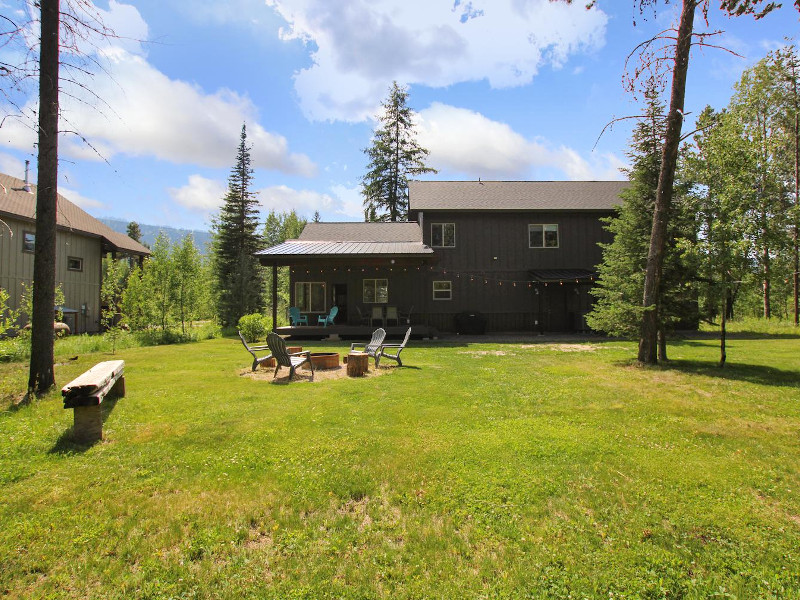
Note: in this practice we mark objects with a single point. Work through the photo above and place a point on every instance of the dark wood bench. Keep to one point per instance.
(85, 394)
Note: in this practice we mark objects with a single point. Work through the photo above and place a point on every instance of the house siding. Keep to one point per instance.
(491, 262)
(80, 287)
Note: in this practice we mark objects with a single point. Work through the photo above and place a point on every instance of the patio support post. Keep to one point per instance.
(275, 297)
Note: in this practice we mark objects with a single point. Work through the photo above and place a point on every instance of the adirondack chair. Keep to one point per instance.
(363, 319)
(326, 320)
(253, 349)
(373, 347)
(284, 359)
(295, 318)
(397, 347)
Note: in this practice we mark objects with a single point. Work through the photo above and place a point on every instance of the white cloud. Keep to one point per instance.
(351, 202)
(79, 199)
(362, 45)
(135, 109)
(200, 194)
(11, 165)
(467, 142)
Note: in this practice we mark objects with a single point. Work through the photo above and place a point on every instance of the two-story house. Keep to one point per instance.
(81, 243)
(522, 254)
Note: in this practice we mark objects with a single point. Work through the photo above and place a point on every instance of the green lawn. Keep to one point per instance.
(480, 471)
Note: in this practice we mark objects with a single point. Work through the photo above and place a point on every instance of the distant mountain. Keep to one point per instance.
(202, 239)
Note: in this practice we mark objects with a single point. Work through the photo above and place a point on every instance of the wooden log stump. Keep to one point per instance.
(357, 364)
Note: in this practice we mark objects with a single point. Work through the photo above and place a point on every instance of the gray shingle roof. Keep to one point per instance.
(16, 202)
(514, 195)
(365, 232)
(362, 239)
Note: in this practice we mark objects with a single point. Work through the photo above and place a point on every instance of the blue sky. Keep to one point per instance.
(503, 89)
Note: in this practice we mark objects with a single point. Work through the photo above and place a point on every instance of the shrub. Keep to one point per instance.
(254, 326)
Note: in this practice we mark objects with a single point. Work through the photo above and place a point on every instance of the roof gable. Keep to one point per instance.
(15, 201)
(515, 195)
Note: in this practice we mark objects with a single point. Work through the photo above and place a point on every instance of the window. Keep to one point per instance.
(376, 291)
(442, 290)
(443, 235)
(309, 296)
(543, 236)
(28, 241)
(74, 263)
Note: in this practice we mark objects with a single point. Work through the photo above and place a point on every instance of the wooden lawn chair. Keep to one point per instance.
(377, 315)
(253, 349)
(295, 318)
(373, 347)
(284, 359)
(397, 347)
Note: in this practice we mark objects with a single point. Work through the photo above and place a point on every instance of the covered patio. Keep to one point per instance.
(370, 271)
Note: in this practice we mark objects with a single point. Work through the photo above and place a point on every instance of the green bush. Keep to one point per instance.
(254, 327)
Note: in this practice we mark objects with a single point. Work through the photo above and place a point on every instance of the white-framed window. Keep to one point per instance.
(28, 241)
(74, 263)
(443, 235)
(442, 290)
(376, 291)
(543, 236)
(309, 296)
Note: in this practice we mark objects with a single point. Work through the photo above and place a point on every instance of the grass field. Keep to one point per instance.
(479, 471)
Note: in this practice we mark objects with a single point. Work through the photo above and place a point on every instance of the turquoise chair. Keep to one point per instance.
(328, 319)
(295, 318)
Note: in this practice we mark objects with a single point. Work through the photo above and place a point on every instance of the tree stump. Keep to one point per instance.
(357, 364)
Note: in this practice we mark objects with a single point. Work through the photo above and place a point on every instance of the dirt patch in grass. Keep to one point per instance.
(561, 347)
(487, 353)
(304, 375)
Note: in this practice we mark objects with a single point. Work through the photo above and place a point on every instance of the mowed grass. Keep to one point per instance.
(479, 471)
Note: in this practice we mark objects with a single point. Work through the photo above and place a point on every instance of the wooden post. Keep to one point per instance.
(357, 364)
(275, 297)
(87, 424)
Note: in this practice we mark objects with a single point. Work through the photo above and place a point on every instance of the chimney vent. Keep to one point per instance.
(27, 186)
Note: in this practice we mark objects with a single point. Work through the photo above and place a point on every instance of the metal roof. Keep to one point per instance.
(365, 232)
(515, 195)
(16, 202)
(354, 239)
(345, 248)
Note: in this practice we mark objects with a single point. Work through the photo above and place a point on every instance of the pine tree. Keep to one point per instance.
(238, 276)
(134, 231)
(618, 308)
(394, 155)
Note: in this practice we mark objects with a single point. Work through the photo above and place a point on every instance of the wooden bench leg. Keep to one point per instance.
(88, 424)
(118, 391)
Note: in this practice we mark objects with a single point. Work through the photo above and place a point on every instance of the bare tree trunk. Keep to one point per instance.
(41, 376)
(666, 178)
(722, 331)
(796, 206)
(662, 345)
(767, 275)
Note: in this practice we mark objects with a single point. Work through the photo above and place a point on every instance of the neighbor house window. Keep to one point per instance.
(74, 263)
(443, 235)
(309, 296)
(543, 236)
(376, 291)
(442, 290)
(28, 241)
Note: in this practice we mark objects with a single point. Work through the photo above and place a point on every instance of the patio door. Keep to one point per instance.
(340, 300)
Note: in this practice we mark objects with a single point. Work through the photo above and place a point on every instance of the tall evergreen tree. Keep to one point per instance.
(394, 155)
(618, 308)
(134, 231)
(238, 276)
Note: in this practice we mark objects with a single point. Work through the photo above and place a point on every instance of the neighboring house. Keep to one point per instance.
(522, 254)
(81, 243)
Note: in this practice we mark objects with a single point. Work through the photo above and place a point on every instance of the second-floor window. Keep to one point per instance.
(376, 291)
(309, 296)
(74, 263)
(542, 236)
(442, 290)
(28, 241)
(443, 235)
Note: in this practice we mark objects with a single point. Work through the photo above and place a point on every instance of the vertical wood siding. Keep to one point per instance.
(80, 287)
